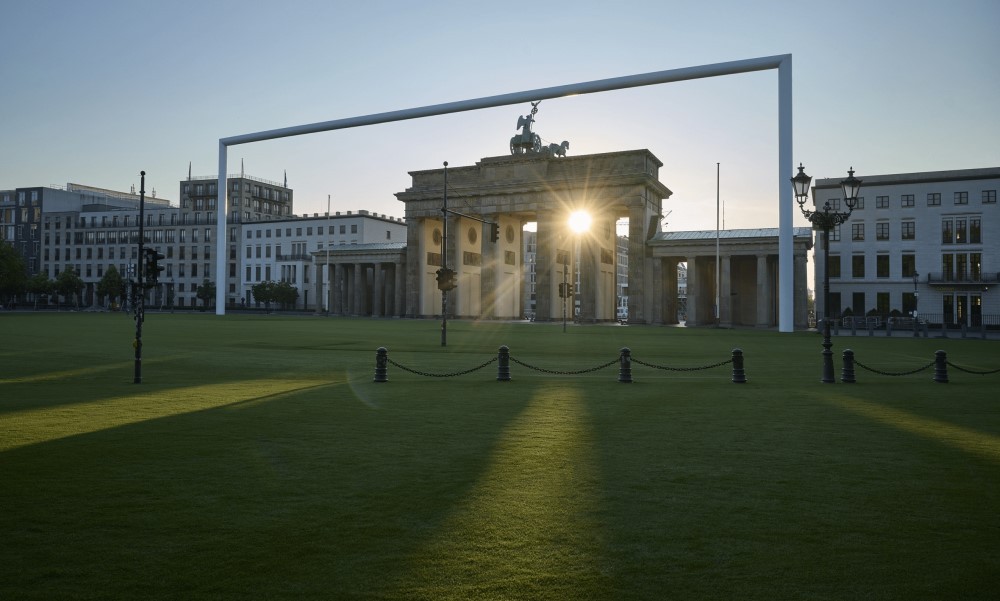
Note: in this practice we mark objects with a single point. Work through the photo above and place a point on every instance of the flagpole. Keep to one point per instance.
(718, 274)
(329, 284)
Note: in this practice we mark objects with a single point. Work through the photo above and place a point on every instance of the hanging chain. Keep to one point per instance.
(451, 375)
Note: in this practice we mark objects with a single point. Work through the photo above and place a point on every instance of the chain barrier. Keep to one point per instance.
(889, 373)
(664, 367)
(451, 375)
(566, 373)
(977, 373)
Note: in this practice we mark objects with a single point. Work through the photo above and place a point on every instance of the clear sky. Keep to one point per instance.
(93, 92)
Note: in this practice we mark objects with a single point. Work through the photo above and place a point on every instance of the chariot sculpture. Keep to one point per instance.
(528, 142)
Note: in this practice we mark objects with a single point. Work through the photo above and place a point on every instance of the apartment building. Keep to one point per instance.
(916, 243)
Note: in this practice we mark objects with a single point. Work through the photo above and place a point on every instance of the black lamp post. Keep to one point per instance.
(916, 303)
(824, 219)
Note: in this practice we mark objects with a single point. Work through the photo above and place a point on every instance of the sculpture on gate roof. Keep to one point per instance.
(528, 142)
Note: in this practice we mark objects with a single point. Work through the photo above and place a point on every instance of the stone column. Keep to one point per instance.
(725, 291)
(377, 290)
(399, 291)
(337, 286)
(454, 262)
(638, 312)
(801, 291)
(358, 306)
(669, 274)
(588, 279)
(763, 293)
(545, 265)
(415, 259)
(490, 269)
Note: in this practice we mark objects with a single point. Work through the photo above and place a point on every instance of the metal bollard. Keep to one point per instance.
(503, 364)
(941, 367)
(847, 374)
(381, 361)
(739, 376)
(625, 370)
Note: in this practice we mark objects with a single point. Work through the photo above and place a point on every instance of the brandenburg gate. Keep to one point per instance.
(542, 186)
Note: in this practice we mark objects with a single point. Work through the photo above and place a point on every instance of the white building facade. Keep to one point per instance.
(925, 243)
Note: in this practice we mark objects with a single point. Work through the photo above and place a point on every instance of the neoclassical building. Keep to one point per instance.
(747, 284)
(514, 190)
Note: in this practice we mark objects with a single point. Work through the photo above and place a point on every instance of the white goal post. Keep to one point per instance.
(783, 63)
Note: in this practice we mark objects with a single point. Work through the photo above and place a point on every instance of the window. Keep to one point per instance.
(881, 202)
(934, 199)
(909, 230)
(961, 198)
(975, 231)
(882, 230)
(834, 266)
(908, 263)
(947, 235)
(354, 228)
(882, 303)
(961, 234)
(388, 234)
(859, 203)
(858, 266)
(906, 200)
(882, 266)
(989, 196)
(249, 253)
(857, 231)
(835, 234)
(343, 229)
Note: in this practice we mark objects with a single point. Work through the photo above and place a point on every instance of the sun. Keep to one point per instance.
(579, 221)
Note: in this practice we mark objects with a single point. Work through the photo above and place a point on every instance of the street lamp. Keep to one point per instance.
(916, 302)
(824, 219)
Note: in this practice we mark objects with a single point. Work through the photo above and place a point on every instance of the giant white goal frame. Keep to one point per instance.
(783, 63)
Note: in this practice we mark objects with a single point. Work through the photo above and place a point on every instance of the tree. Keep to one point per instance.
(264, 293)
(69, 284)
(13, 275)
(206, 292)
(286, 294)
(111, 284)
(40, 285)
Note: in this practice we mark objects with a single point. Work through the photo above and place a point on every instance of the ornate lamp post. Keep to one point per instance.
(824, 219)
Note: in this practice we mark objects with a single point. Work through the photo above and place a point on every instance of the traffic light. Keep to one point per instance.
(153, 267)
(562, 290)
(446, 279)
(494, 232)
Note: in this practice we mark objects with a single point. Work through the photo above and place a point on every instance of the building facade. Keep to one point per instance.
(89, 230)
(742, 290)
(916, 243)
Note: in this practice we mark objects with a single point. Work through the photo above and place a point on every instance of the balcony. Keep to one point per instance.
(963, 280)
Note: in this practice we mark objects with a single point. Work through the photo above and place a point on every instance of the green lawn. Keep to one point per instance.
(258, 460)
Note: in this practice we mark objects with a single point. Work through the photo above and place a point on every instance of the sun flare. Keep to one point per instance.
(579, 221)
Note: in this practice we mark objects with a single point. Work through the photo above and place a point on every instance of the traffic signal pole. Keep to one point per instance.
(446, 278)
(139, 292)
(444, 261)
